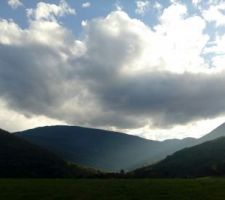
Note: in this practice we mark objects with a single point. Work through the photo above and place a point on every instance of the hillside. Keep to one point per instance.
(102, 149)
(207, 159)
(107, 150)
(19, 158)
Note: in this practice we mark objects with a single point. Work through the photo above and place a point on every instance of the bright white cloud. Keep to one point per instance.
(10, 32)
(196, 2)
(48, 11)
(182, 48)
(174, 12)
(84, 23)
(15, 3)
(142, 7)
(215, 13)
(86, 5)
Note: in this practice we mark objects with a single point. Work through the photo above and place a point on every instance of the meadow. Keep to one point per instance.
(107, 189)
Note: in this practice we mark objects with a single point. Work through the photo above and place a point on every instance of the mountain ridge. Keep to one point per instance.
(102, 149)
(205, 159)
(22, 159)
(108, 150)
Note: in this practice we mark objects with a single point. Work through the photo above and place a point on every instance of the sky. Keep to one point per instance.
(150, 68)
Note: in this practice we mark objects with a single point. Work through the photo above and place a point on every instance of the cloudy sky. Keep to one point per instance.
(150, 68)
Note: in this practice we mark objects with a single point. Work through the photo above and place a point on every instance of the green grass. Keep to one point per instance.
(144, 189)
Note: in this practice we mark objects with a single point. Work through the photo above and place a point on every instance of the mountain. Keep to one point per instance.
(21, 159)
(105, 150)
(216, 133)
(206, 159)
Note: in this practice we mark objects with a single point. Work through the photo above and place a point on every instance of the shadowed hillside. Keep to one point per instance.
(207, 159)
(102, 149)
(106, 150)
(19, 158)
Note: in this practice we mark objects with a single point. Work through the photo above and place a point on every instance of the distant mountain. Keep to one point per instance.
(216, 133)
(105, 150)
(206, 159)
(21, 159)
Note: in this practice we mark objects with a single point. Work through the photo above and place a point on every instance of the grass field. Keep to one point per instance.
(144, 189)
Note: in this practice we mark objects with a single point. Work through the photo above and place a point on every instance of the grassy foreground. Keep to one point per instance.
(43, 189)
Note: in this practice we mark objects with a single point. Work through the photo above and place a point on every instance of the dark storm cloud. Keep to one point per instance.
(165, 98)
(93, 88)
(28, 78)
(34, 86)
